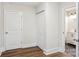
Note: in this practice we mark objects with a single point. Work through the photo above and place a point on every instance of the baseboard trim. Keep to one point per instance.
(47, 53)
(51, 51)
(1, 52)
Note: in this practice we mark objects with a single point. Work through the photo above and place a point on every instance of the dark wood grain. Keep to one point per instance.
(30, 52)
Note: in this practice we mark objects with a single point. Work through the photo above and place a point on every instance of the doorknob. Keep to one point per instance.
(6, 32)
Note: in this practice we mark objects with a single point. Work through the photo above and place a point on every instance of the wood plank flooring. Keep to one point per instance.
(31, 52)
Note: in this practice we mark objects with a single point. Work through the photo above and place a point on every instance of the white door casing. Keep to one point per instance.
(77, 27)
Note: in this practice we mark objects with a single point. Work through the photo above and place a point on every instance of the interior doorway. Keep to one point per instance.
(70, 31)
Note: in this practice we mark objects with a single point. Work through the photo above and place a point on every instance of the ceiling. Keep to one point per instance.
(33, 4)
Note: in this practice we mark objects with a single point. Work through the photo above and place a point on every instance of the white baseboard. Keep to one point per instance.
(1, 52)
(51, 51)
(48, 53)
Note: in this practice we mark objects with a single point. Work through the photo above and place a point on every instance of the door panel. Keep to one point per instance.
(12, 30)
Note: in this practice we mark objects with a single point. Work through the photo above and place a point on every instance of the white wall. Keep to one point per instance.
(50, 42)
(29, 28)
(1, 27)
(52, 27)
(28, 25)
(41, 26)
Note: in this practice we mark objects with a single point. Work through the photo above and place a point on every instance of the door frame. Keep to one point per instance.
(63, 27)
(77, 43)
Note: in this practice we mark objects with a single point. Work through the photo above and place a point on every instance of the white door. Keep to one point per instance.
(12, 30)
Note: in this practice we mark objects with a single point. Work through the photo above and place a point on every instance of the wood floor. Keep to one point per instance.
(31, 52)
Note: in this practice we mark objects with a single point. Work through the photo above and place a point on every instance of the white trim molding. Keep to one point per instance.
(51, 51)
(0, 52)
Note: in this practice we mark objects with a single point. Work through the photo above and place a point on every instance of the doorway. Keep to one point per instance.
(70, 31)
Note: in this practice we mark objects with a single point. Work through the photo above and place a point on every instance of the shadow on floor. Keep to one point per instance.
(70, 49)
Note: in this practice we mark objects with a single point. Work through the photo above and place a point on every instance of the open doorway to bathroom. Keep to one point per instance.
(70, 31)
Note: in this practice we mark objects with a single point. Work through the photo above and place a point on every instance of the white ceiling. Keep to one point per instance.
(33, 4)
